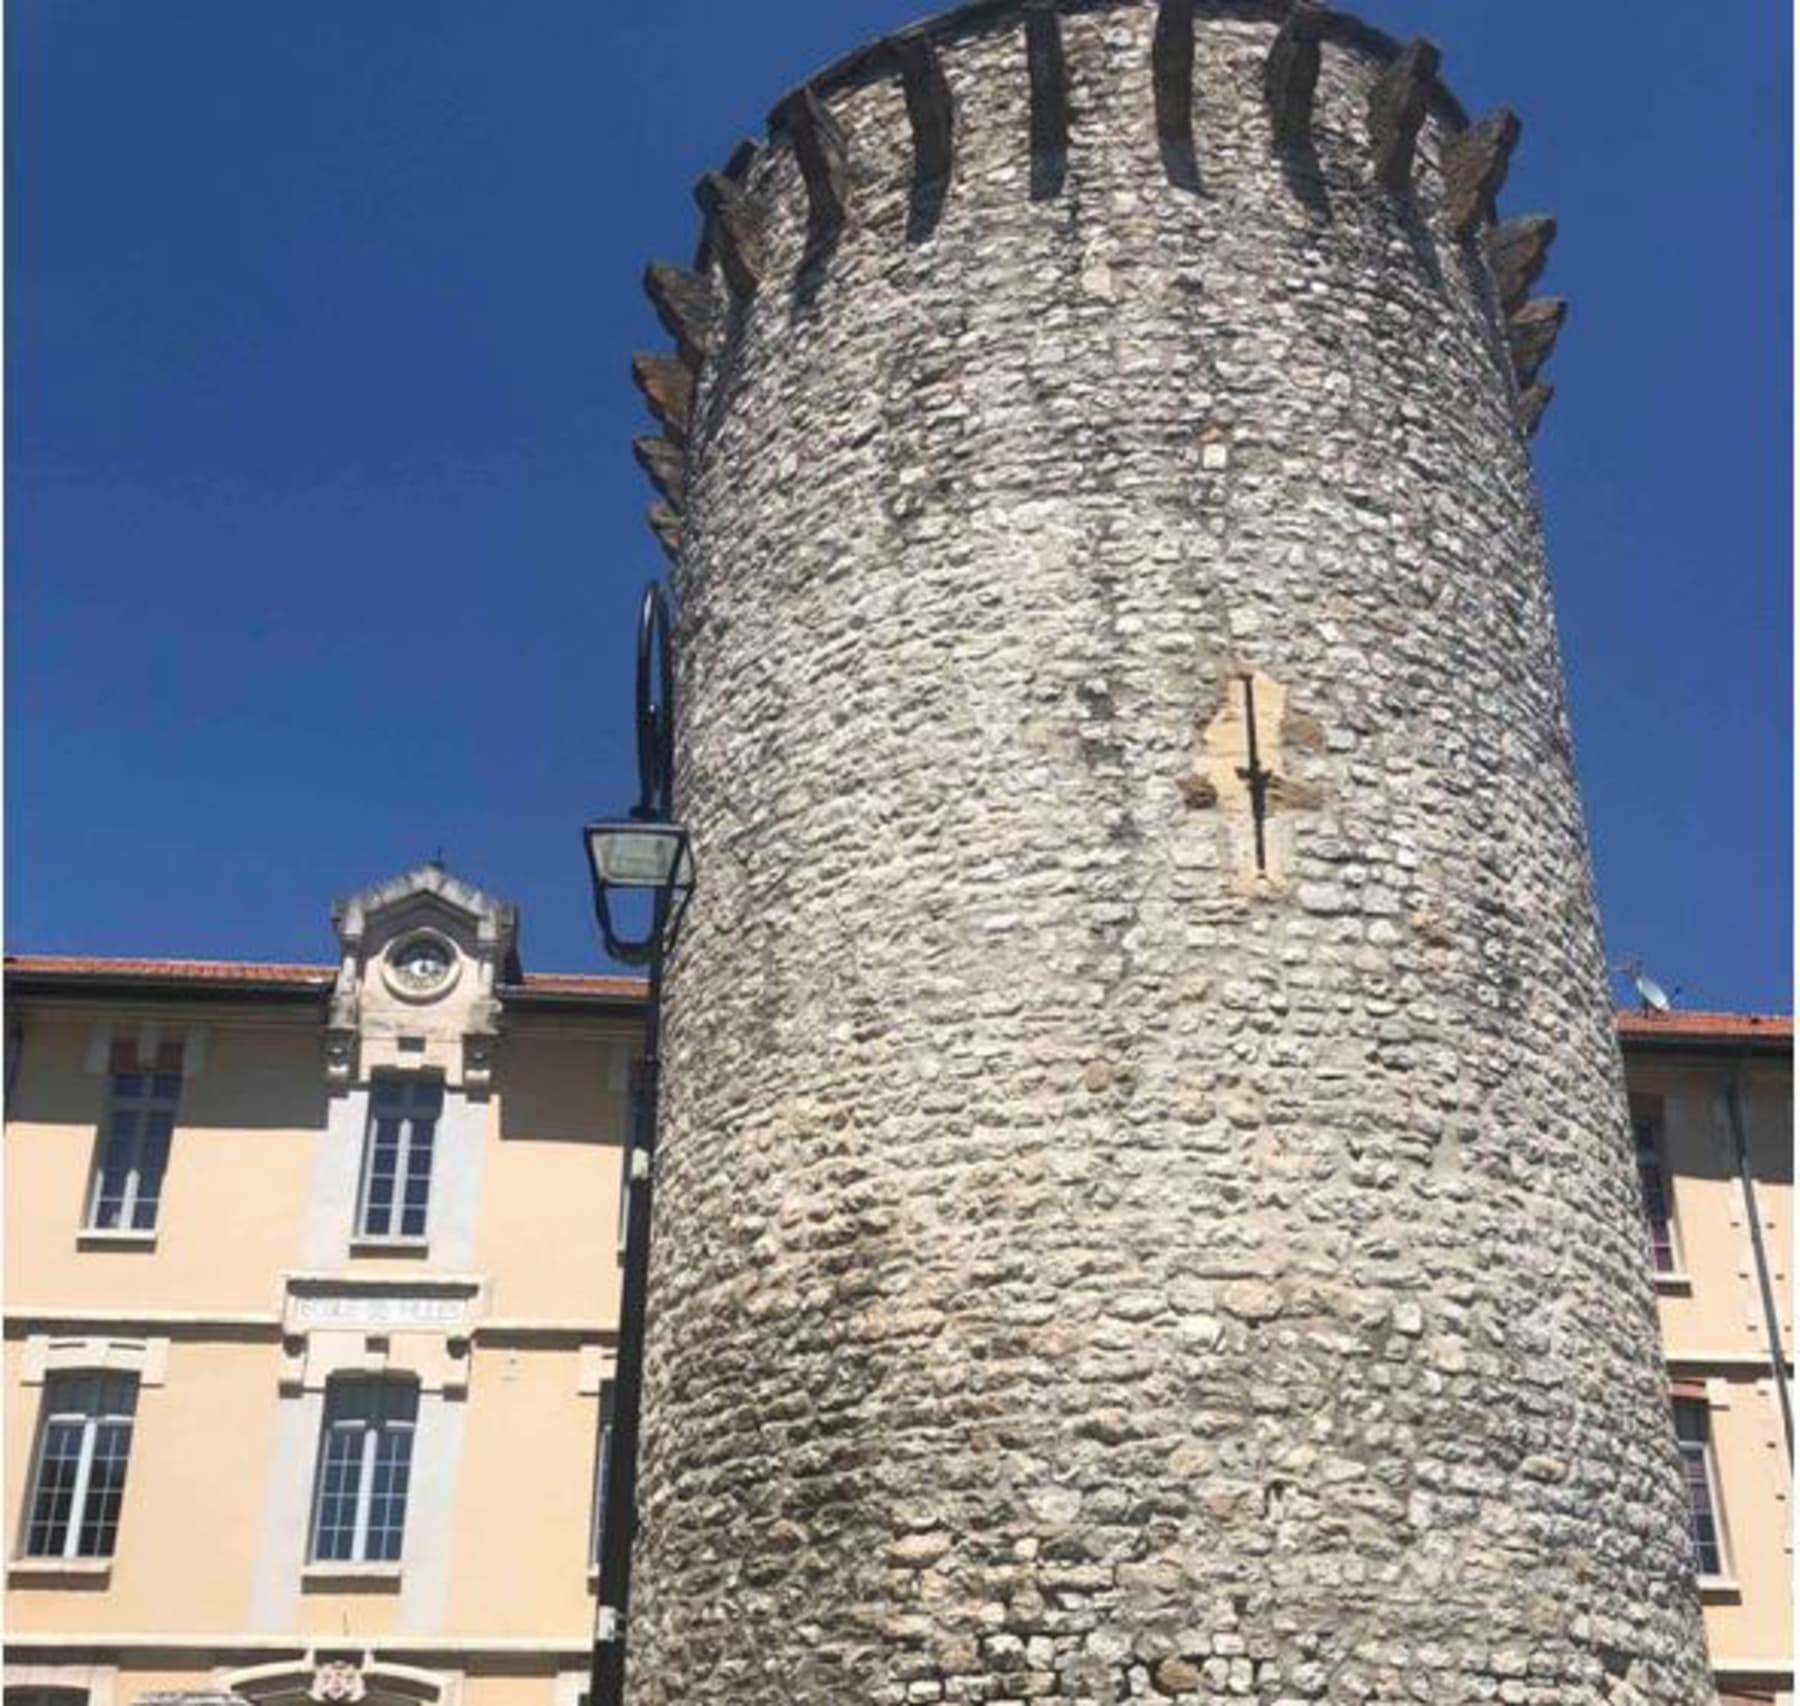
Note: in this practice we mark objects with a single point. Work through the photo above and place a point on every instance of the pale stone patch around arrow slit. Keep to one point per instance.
(1222, 779)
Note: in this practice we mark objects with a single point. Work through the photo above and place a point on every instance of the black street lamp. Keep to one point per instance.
(645, 855)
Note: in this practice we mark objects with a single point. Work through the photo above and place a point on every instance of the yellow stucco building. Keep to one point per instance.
(311, 1286)
(312, 1282)
(1712, 1105)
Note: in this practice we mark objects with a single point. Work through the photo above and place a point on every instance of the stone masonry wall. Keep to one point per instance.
(1088, 1268)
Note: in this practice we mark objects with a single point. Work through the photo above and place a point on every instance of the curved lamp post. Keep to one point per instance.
(645, 854)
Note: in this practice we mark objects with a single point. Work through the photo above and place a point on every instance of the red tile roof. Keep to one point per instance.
(582, 983)
(1637, 1026)
(203, 971)
(296, 976)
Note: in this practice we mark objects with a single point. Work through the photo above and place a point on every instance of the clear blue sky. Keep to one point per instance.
(324, 534)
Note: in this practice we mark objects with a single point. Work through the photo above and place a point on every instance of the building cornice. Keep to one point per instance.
(93, 979)
(22, 1319)
(563, 1645)
(1749, 1361)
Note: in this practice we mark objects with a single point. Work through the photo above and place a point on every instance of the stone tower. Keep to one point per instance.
(1145, 1206)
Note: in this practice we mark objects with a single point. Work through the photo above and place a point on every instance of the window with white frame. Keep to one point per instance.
(396, 1183)
(365, 1464)
(133, 1152)
(78, 1477)
(1693, 1434)
(1653, 1183)
(603, 1445)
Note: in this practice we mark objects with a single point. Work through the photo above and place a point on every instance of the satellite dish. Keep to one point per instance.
(1652, 997)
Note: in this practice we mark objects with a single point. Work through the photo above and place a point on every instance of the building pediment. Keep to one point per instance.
(421, 956)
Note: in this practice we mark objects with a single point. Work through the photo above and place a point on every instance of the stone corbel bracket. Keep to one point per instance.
(1291, 74)
(1531, 336)
(738, 256)
(1397, 107)
(930, 107)
(824, 159)
(734, 230)
(1475, 166)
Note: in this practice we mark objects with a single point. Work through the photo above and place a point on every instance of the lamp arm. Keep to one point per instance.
(655, 707)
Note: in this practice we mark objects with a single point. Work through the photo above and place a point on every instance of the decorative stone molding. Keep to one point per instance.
(339, 1683)
(45, 1355)
(341, 1677)
(595, 1365)
(421, 957)
(422, 1327)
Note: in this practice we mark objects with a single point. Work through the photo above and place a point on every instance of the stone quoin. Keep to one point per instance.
(1146, 1207)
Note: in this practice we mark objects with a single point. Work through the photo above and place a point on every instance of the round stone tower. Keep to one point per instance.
(1145, 1204)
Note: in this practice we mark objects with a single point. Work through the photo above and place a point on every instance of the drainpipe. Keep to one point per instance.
(15, 1046)
(1734, 1108)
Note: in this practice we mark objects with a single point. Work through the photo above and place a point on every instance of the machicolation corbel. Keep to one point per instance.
(930, 107)
(665, 464)
(734, 232)
(1533, 401)
(1518, 251)
(1474, 169)
(668, 387)
(1172, 70)
(1291, 74)
(1397, 106)
(1532, 333)
(824, 159)
(1048, 75)
(687, 306)
(666, 525)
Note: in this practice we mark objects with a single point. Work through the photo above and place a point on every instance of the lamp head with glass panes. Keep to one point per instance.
(638, 860)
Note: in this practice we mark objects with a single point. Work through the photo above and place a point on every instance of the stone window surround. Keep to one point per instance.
(375, 1419)
(293, 1681)
(95, 1681)
(47, 1353)
(28, 1563)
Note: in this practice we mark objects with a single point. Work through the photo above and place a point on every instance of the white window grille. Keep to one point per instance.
(1659, 1215)
(133, 1152)
(78, 1480)
(1693, 1434)
(365, 1465)
(602, 1464)
(396, 1184)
